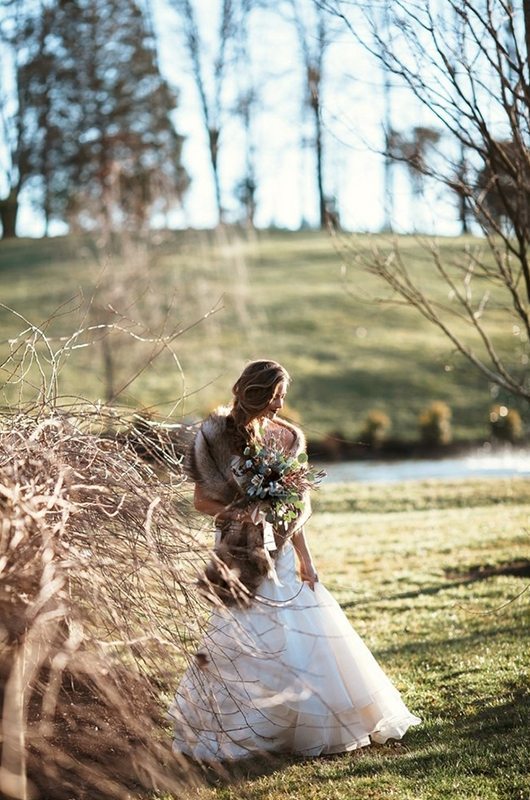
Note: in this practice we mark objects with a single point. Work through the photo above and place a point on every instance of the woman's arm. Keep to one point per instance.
(215, 508)
(308, 572)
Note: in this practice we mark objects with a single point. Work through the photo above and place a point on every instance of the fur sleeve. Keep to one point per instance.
(299, 443)
(209, 459)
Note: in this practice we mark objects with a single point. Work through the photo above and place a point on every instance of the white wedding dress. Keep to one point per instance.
(288, 675)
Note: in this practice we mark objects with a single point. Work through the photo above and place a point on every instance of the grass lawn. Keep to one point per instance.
(409, 565)
(280, 295)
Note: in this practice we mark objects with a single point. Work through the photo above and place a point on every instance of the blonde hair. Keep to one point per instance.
(253, 391)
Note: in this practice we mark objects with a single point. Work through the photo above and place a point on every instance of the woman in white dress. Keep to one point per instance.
(280, 668)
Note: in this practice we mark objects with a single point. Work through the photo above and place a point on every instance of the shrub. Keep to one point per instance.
(375, 428)
(97, 556)
(435, 424)
(505, 424)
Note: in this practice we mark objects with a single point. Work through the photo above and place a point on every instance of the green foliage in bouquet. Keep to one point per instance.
(277, 480)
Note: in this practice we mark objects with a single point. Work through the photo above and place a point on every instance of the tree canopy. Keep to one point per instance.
(94, 115)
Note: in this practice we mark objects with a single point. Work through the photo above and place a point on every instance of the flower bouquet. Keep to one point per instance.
(275, 482)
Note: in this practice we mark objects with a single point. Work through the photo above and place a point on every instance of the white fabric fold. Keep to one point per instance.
(288, 675)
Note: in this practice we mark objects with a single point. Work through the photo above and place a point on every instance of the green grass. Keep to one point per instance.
(456, 647)
(284, 296)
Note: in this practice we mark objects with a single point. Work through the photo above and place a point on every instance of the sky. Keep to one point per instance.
(353, 109)
(352, 113)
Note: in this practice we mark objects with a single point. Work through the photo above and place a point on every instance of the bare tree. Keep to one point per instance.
(388, 178)
(248, 101)
(467, 62)
(461, 180)
(247, 186)
(313, 38)
(388, 133)
(210, 75)
(412, 149)
(12, 178)
(12, 24)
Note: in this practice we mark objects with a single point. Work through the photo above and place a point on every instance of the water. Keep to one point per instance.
(482, 464)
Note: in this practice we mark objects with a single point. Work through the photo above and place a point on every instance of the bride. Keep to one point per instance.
(280, 668)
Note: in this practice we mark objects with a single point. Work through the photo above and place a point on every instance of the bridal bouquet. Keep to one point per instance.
(276, 481)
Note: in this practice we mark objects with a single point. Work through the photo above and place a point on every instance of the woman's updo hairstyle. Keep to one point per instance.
(253, 391)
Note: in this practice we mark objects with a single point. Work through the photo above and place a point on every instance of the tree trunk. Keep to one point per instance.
(217, 185)
(388, 183)
(462, 200)
(8, 214)
(464, 227)
(526, 11)
(213, 142)
(47, 205)
(323, 212)
(108, 369)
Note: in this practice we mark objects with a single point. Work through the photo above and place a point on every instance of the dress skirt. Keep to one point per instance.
(288, 675)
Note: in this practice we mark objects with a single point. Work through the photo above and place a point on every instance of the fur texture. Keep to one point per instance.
(239, 562)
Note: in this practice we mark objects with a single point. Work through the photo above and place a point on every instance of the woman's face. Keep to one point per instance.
(277, 400)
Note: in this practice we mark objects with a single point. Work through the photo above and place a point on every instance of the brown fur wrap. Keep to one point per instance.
(238, 563)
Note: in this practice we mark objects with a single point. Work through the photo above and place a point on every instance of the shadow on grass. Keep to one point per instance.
(356, 383)
(248, 768)
(490, 741)
(25, 255)
(476, 737)
(517, 569)
(486, 746)
(446, 647)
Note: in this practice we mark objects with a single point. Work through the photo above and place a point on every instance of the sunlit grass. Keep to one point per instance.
(455, 647)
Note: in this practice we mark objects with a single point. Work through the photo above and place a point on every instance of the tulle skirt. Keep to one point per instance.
(288, 675)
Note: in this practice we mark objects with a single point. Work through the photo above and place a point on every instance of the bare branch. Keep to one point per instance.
(463, 61)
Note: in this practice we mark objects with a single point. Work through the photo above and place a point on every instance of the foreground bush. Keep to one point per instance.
(96, 562)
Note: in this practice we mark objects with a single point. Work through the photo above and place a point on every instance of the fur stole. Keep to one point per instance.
(239, 562)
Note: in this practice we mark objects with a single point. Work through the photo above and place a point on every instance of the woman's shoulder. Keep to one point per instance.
(217, 422)
(298, 441)
(209, 455)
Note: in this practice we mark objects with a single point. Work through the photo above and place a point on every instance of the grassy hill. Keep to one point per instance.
(289, 296)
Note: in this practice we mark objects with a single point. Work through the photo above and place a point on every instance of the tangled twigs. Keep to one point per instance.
(97, 611)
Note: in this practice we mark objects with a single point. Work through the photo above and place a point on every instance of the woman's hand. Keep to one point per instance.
(308, 574)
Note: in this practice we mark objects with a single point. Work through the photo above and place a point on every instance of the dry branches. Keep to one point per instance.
(465, 63)
(99, 556)
(97, 564)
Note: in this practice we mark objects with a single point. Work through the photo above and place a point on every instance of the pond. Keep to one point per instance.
(481, 464)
